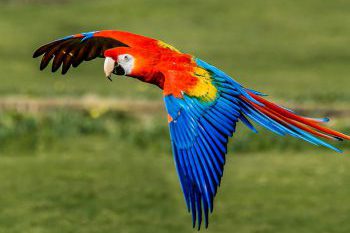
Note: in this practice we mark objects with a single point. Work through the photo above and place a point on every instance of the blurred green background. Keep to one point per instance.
(71, 162)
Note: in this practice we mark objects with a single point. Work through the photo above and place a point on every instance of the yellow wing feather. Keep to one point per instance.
(204, 89)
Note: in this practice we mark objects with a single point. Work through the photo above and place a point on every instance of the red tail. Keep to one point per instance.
(285, 117)
(285, 121)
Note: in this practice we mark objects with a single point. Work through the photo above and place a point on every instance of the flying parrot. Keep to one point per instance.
(203, 104)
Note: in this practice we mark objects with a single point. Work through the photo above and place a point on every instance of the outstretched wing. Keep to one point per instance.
(72, 50)
(199, 127)
(199, 135)
(203, 117)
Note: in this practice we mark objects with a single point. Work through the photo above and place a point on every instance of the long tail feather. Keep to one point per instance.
(285, 121)
(301, 119)
(274, 117)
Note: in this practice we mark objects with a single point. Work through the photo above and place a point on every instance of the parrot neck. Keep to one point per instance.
(152, 69)
(156, 78)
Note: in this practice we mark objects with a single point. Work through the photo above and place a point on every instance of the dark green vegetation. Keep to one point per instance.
(69, 170)
(39, 132)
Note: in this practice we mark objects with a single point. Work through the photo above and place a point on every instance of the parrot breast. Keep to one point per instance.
(191, 80)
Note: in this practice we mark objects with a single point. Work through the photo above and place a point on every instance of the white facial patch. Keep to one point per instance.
(126, 61)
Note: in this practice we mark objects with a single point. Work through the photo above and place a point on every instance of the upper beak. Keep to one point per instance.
(109, 67)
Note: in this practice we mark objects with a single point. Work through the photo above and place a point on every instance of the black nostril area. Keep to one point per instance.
(118, 70)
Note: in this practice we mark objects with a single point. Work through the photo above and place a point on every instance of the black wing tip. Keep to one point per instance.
(43, 65)
(64, 70)
(39, 51)
(53, 69)
(36, 54)
(85, 52)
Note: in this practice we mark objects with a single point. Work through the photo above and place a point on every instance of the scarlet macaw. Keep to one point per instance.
(203, 104)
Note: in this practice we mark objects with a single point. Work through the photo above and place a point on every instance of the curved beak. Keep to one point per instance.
(109, 67)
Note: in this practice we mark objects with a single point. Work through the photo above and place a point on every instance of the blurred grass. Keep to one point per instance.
(80, 186)
(73, 171)
(66, 171)
(295, 50)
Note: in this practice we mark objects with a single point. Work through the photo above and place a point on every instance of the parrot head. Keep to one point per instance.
(128, 62)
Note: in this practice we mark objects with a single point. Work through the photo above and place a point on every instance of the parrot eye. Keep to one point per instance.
(126, 61)
(124, 58)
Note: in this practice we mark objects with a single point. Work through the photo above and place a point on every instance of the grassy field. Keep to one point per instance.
(81, 186)
(293, 50)
(97, 170)
(72, 172)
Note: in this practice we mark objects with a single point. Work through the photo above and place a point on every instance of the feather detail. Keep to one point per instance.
(201, 124)
(306, 121)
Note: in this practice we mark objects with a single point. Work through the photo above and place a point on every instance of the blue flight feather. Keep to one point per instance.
(200, 130)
